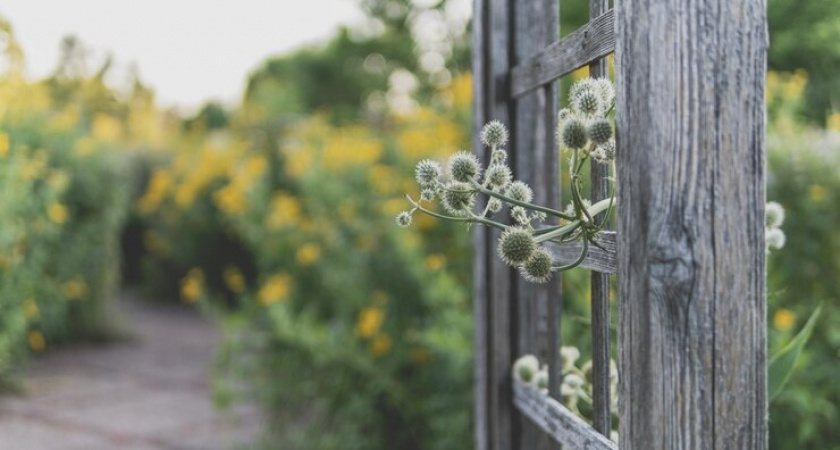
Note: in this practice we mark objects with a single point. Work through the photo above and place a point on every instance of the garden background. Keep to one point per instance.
(274, 217)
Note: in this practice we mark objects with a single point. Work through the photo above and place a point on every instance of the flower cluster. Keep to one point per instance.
(462, 183)
(576, 385)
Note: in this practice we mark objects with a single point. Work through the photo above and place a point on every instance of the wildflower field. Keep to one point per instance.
(274, 217)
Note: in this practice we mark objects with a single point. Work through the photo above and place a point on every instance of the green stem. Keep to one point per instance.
(527, 205)
(474, 218)
(597, 208)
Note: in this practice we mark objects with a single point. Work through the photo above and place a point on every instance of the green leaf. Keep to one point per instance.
(784, 362)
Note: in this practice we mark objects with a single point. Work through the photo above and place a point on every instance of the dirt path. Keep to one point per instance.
(152, 393)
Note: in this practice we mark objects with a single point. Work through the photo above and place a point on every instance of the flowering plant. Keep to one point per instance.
(584, 131)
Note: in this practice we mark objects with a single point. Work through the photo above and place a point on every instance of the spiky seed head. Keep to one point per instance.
(525, 368)
(404, 219)
(427, 172)
(516, 245)
(537, 269)
(494, 205)
(463, 166)
(427, 194)
(604, 88)
(774, 215)
(568, 356)
(520, 215)
(600, 131)
(581, 86)
(574, 134)
(563, 114)
(499, 156)
(588, 103)
(609, 149)
(775, 238)
(572, 383)
(498, 176)
(494, 134)
(599, 155)
(541, 379)
(520, 192)
(458, 198)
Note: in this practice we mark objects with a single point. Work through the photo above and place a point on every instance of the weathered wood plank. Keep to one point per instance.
(691, 256)
(596, 259)
(481, 290)
(594, 40)
(600, 282)
(557, 421)
(534, 160)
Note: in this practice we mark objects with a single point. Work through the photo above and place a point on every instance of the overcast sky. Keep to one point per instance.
(187, 50)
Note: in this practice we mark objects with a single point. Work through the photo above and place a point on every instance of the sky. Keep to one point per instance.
(188, 51)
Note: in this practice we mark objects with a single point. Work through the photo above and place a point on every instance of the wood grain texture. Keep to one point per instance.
(481, 290)
(592, 41)
(597, 260)
(557, 421)
(600, 281)
(691, 256)
(533, 158)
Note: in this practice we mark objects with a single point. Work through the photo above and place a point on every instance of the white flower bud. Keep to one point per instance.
(494, 134)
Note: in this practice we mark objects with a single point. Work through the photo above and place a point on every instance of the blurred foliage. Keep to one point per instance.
(804, 176)
(61, 211)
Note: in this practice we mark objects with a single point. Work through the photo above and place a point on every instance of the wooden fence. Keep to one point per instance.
(689, 250)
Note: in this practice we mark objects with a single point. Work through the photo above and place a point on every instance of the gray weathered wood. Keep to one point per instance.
(596, 259)
(600, 282)
(481, 291)
(691, 194)
(592, 41)
(534, 160)
(557, 421)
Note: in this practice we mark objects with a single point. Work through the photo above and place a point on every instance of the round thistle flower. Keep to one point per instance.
(520, 215)
(499, 156)
(775, 238)
(581, 86)
(774, 215)
(563, 114)
(427, 172)
(574, 134)
(568, 356)
(537, 269)
(463, 166)
(427, 194)
(458, 198)
(599, 155)
(588, 103)
(498, 175)
(605, 89)
(600, 131)
(520, 192)
(494, 205)
(525, 368)
(516, 245)
(541, 380)
(494, 134)
(404, 219)
(571, 386)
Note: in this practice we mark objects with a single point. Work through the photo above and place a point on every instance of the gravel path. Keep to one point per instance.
(150, 393)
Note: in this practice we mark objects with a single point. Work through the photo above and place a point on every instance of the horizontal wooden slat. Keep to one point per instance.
(596, 259)
(592, 41)
(556, 420)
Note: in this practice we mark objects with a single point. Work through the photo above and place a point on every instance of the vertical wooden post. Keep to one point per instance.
(534, 160)
(691, 224)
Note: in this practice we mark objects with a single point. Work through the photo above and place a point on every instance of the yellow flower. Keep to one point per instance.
(307, 254)
(4, 145)
(285, 210)
(36, 341)
(435, 261)
(816, 192)
(192, 285)
(833, 122)
(106, 128)
(30, 309)
(75, 289)
(784, 319)
(159, 185)
(275, 289)
(57, 213)
(370, 320)
(380, 345)
(234, 279)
